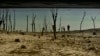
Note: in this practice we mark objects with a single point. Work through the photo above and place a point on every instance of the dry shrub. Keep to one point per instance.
(91, 48)
(94, 33)
(23, 47)
(34, 34)
(63, 35)
(1, 39)
(68, 35)
(22, 33)
(39, 36)
(84, 37)
(89, 36)
(17, 40)
(88, 41)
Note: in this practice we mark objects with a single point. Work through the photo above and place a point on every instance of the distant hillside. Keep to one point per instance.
(97, 30)
(88, 30)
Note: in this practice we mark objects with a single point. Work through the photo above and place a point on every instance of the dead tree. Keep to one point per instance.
(0, 20)
(6, 17)
(45, 24)
(33, 23)
(42, 31)
(93, 19)
(27, 24)
(82, 20)
(14, 24)
(3, 20)
(54, 16)
(59, 26)
(10, 22)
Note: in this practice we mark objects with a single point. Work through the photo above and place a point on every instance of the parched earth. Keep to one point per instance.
(35, 45)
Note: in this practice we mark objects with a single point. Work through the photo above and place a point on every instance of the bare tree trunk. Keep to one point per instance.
(59, 26)
(42, 31)
(32, 27)
(6, 17)
(93, 19)
(82, 21)
(3, 20)
(3, 26)
(10, 22)
(0, 20)
(45, 24)
(33, 22)
(27, 24)
(14, 24)
(55, 30)
(54, 16)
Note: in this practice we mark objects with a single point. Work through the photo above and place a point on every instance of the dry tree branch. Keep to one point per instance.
(82, 20)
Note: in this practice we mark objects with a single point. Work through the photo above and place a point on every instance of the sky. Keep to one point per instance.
(71, 16)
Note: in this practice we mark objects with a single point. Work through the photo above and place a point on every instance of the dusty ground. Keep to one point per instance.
(34, 45)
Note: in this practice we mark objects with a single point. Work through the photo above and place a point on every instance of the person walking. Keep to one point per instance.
(68, 27)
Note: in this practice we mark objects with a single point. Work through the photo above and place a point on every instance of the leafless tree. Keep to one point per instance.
(33, 22)
(54, 16)
(14, 24)
(45, 24)
(6, 17)
(93, 19)
(82, 20)
(3, 20)
(42, 31)
(10, 22)
(59, 26)
(27, 24)
(0, 20)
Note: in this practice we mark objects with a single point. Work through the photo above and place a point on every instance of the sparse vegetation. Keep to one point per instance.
(54, 16)
(17, 40)
(82, 20)
(93, 19)
(44, 43)
(33, 22)
(23, 47)
(27, 24)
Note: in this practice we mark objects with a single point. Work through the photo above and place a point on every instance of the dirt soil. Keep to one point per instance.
(34, 45)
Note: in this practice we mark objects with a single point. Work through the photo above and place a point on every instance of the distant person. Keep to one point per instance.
(68, 27)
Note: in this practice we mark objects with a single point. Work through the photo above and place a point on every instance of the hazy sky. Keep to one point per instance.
(71, 16)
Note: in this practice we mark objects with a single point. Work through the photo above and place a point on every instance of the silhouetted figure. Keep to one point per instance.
(68, 27)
